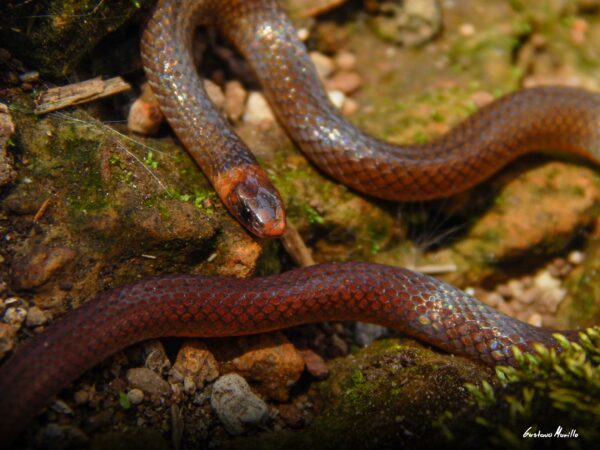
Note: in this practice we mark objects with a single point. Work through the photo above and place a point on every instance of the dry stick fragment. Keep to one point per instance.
(295, 247)
(74, 94)
(41, 210)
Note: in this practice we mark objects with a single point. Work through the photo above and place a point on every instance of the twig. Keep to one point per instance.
(295, 247)
(40, 212)
(74, 94)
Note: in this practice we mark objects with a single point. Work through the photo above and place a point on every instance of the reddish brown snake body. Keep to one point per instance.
(418, 305)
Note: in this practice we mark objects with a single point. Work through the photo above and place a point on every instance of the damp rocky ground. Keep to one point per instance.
(102, 194)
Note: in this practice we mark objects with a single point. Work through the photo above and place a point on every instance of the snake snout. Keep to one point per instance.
(259, 208)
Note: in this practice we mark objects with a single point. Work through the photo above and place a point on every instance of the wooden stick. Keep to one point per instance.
(74, 94)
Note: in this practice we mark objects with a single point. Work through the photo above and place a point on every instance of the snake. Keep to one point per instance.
(417, 305)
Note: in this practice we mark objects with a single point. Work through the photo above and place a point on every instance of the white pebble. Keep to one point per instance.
(303, 34)
(576, 257)
(345, 60)
(236, 405)
(535, 319)
(337, 98)
(215, 93)
(135, 396)
(257, 109)
(15, 315)
(545, 281)
(467, 29)
(323, 64)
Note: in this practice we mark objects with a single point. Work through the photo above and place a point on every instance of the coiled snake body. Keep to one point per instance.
(559, 118)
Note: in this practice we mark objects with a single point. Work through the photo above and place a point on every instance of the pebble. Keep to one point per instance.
(196, 364)
(215, 93)
(535, 319)
(339, 347)
(315, 365)
(15, 315)
(30, 77)
(545, 281)
(337, 98)
(258, 110)
(236, 405)
(145, 116)
(135, 396)
(346, 82)
(35, 317)
(270, 361)
(40, 264)
(324, 64)
(148, 381)
(345, 60)
(81, 397)
(235, 99)
(303, 34)
(466, 29)
(366, 333)
(481, 98)
(7, 338)
(576, 257)
(349, 107)
(291, 415)
(156, 357)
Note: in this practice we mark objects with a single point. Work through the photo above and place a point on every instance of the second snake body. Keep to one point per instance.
(555, 118)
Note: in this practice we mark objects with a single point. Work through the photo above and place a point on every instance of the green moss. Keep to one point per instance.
(544, 391)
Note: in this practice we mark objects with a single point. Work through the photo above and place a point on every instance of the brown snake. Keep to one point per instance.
(554, 117)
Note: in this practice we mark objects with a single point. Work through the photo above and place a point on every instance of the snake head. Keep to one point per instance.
(253, 200)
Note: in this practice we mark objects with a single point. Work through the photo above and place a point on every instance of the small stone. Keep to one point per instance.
(215, 93)
(38, 265)
(270, 361)
(81, 397)
(366, 333)
(529, 296)
(7, 338)
(545, 281)
(291, 415)
(535, 319)
(196, 362)
(481, 98)
(337, 98)
(156, 357)
(145, 115)
(189, 386)
(30, 77)
(61, 407)
(15, 315)
(576, 257)
(345, 60)
(349, 107)
(235, 100)
(135, 396)
(303, 34)
(35, 317)
(258, 110)
(315, 365)
(323, 64)
(466, 29)
(339, 347)
(236, 405)
(148, 381)
(346, 82)
(515, 288)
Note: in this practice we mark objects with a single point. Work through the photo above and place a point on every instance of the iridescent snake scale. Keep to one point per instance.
(420, 306)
